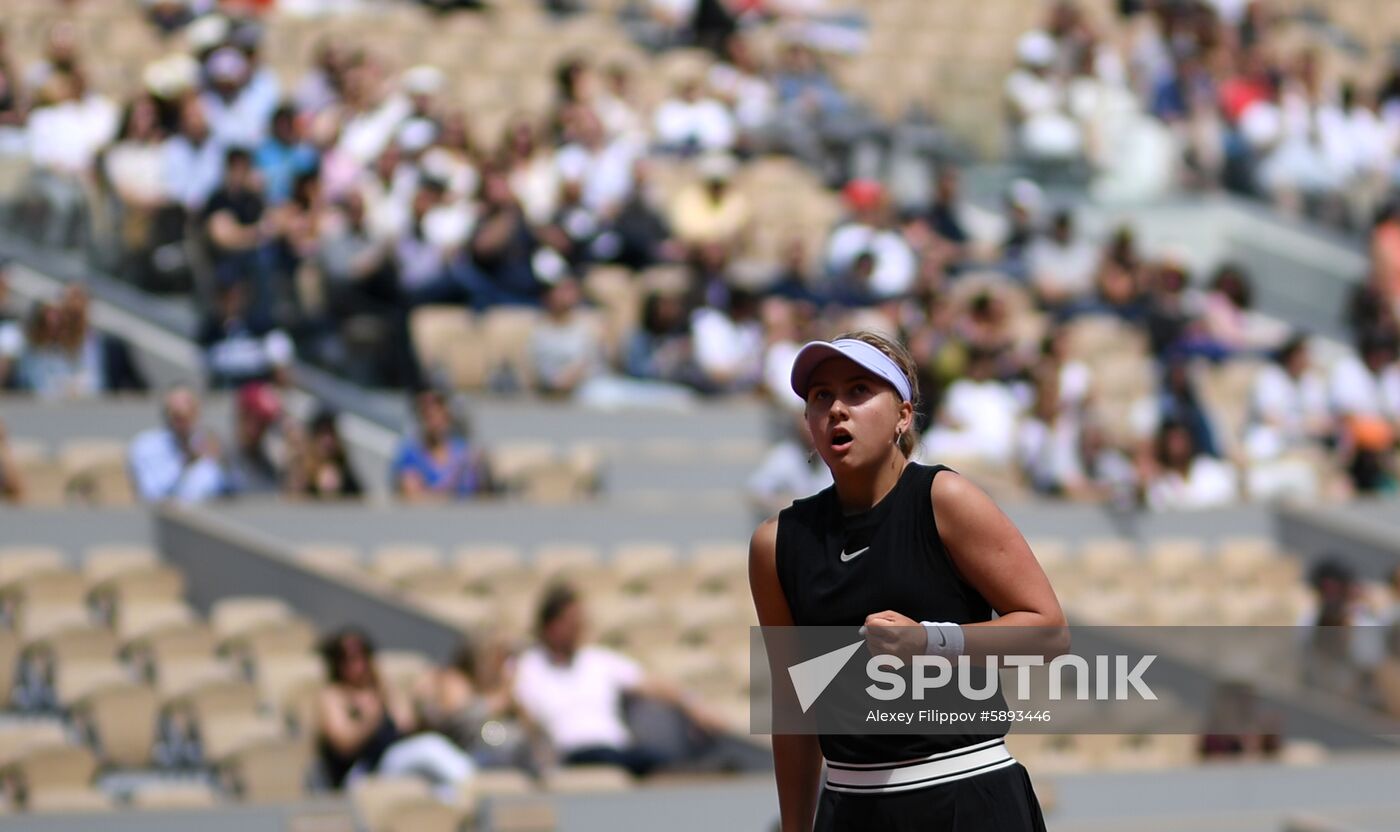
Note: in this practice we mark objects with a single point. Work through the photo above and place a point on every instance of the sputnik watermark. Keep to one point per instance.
(1112, 678)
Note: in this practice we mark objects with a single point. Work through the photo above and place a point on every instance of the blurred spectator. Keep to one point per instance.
(239, 236)
(728, 343)
(283, 156)
(1365, 388)
(531, 170)
(1385, 256)
(366, 726)
(65, 131)
(257, 416)
(1288, 405)
(642, 235)
(11, 334)
(242, 345)
(354, 265)
(869, 229)
(944, 219)
(192, 160)
(469, 701)
(169, 16)
(239, 101)
(132, 165)
(602, 165)
(11, 482)
(568, 353)
(1228, 320)
(1062, 267)
(1238, 726)
(711, 211)
(506, 250)
(1182, 477)
(179, 461)
(977, 420)
(62, 356)
(319, 466)
(742, 82)
(1045, 131)
(13, 103)
(438, 460)
(813, 115)
(689, 122)
(788, 471)
(1178, 401)
(574, 691)
(661, 348)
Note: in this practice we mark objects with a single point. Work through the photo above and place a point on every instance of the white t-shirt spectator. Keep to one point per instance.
(578, 705)
(65, 137)
(1356, 391)
(703, 124)
(777, 373)
(983, 416)
(1209, 483)
(895, 263)
(606, 173)
(1281, 409)
(1063, 268)
(160, 470)
(726, 350)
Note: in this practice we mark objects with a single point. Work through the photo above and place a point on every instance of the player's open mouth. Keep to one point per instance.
(841, 439)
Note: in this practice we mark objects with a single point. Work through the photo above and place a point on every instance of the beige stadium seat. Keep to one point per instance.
(505, 336)
(293, 637)
(37, 622)
(223, 735)
(564, 561)
(19, 561)
(96, 470)
(479, 563)
(522, 815)
(19, 738)
(694, 616)
(720, 566)
(401, 668)
(377, 798)
(269, 771)
(178, 680)
(1243, 559)
(45, 482)
(1176, 561)
(425, 816)
(106, 561)
(139, 618)
(397, 561)
(283, 681)
(160, 796)
(1109, 561)
(639, 564)
(465, 613)
(445, 339)
(233, 617)
(615, 619)
(331, 558)
(9, 663)
(588, 780)
(69, 801)
(498, 783)
(54, 769)
(47, 589)
(122, 719)
(145, 585)
(513, 463)
(190, 641)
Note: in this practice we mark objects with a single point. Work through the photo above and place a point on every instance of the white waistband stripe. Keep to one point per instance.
(939, 768)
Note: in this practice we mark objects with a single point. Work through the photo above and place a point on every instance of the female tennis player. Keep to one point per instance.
(893, 545)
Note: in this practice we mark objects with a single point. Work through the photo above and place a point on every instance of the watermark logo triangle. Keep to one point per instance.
(811, 677)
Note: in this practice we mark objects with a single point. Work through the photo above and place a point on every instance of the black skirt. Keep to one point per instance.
(998, 801)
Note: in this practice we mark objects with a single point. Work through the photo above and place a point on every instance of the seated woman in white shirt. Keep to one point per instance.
(977, 421)
(1185, 479)
(574, 692)
(1289, 425)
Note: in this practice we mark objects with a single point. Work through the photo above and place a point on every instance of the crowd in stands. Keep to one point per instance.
(361, 194)
(560, 701)
(1210, 94)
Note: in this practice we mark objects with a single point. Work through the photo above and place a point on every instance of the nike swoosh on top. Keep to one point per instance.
(853, 555)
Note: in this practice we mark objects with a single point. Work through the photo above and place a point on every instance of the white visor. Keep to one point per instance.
(867, 356)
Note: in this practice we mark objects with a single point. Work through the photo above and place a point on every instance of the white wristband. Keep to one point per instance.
(944, 639)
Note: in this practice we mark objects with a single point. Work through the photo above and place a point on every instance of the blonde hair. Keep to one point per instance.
(899, 354)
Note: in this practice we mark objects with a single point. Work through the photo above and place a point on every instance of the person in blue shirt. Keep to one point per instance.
(438, 461)
(283, 156)
(180, 460)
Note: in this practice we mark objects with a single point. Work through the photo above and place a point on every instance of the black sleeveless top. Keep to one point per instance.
(905, 569)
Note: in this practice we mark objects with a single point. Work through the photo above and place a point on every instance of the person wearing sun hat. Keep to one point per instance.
(868, 552)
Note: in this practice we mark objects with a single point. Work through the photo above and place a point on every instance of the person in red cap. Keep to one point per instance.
(257, 412)
(920, 559)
